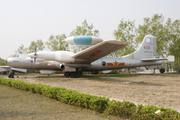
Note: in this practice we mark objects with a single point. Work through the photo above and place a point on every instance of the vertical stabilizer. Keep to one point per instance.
(147, 49)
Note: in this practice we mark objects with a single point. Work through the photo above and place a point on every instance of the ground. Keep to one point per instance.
(147, 89)
(17, 104)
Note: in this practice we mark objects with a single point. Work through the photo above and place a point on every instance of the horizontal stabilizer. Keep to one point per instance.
(97, 51)
(4, 68)
(152, 59)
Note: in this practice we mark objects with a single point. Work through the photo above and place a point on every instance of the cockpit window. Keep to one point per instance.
(13, 56)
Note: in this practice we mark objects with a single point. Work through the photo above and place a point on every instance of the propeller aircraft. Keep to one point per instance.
(89, 59)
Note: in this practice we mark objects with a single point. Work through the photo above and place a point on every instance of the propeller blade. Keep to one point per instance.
(34, 60)
(35, 51)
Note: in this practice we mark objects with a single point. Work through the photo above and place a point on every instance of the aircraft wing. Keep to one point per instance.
(4, 68)
(7, 68)
(152, 59)
(97, 51)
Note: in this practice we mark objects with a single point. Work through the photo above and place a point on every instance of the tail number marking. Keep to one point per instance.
(146, 47)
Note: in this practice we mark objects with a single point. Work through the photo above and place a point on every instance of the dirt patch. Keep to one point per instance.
(147, 89)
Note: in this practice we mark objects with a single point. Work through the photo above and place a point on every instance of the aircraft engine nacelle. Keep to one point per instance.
(64, 56)
(60, 56)
(57, 64)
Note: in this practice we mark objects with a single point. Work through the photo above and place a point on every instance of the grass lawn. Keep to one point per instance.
(17, 104)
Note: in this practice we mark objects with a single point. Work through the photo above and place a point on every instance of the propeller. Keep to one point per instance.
(35, 55)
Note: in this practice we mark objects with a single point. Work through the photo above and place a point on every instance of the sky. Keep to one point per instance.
(23, 21)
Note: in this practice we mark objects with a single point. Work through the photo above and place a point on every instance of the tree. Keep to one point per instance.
(154, 26)
(22, 50)
(57, 42)
(2, 62)
(85, 29)
(174, 40)
(39, 46)
(125, 33)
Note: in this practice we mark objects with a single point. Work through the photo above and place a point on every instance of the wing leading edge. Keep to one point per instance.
(97, 51)
(152, 59)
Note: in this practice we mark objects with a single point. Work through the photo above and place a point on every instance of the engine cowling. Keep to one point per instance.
(57, 64)
(60, 56)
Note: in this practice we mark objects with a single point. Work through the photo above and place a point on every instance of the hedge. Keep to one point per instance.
(123, 109)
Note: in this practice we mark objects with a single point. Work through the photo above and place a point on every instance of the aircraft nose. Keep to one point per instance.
(8, 61)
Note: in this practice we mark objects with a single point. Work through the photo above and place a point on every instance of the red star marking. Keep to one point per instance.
(95, 53)
(115, 63)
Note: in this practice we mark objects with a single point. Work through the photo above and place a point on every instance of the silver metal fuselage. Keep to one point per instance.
(20, 62)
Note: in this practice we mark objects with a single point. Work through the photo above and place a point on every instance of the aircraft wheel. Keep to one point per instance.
(4, 73)
(66, 74)
(71, 75)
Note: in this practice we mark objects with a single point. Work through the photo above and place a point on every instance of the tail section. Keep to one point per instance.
(147, 50)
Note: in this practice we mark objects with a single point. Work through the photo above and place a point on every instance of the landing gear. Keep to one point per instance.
(4, 73)
(76, 74)
(154, 70)
(66, 74)
(129, 71)
(11, 74)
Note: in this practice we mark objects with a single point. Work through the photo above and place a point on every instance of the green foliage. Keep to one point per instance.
(162, 70)
(148, 113)
(57, 42)
(84, 29)
(174, 40)
(22, 50)
(2, 62)
(123, 109)
(39, 46)
(125, 33)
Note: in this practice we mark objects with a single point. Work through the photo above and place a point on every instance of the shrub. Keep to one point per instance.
(100, 104)
(122, 109)
(162, 70)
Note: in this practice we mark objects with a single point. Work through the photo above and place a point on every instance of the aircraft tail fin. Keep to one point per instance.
(146, 51)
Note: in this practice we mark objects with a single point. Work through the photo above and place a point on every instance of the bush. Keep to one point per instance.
(100, 104)
(122, 109)
(162, 70)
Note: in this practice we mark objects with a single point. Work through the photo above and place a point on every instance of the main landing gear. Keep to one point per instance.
(11, 74)
(73, 74)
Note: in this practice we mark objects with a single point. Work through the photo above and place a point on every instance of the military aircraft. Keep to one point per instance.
(89, 59)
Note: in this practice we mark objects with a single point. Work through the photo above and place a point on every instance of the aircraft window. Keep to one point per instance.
(148, 39)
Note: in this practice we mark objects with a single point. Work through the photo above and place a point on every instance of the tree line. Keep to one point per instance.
(166, 32)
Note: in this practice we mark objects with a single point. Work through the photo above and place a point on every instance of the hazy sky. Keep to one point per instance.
(23, 21)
